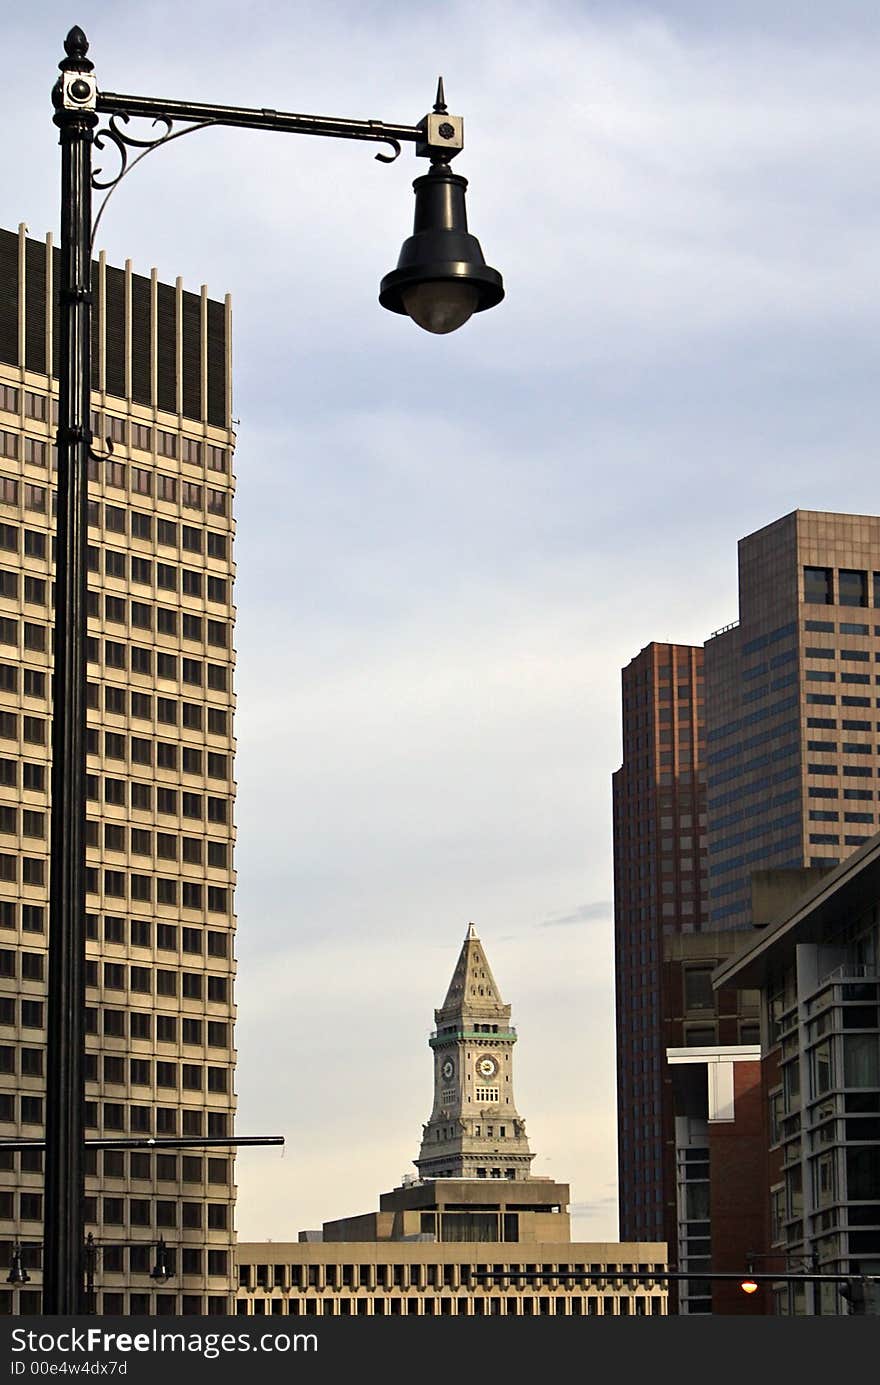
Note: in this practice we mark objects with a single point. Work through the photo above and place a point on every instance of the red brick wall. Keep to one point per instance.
(738, 1191)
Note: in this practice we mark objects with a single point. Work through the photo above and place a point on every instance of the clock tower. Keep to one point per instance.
(474, 1130)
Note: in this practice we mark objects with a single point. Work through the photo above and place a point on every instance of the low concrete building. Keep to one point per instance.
(429, 1278)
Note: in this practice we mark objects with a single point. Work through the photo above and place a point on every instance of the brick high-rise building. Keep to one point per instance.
(659, 888)
(160, 921)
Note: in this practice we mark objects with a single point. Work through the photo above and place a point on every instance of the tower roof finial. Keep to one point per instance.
(471, 933)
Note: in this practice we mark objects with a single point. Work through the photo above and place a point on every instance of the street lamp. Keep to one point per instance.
(440, 280)
(17, 1272)
(441, 277)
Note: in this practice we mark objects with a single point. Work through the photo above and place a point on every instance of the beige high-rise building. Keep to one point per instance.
(160, 921)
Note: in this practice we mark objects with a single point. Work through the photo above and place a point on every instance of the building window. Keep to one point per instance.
(819, 586)
(852, 587)
(698, 988)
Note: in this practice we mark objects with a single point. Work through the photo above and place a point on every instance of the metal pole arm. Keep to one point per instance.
(156, 1142)
(629, 1277)
(241, 117)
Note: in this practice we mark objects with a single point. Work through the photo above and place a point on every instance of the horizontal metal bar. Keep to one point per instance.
(160, 1142)
(112, 103)
(579, 1277)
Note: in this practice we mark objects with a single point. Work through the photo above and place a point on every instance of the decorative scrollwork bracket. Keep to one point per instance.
(123, 140)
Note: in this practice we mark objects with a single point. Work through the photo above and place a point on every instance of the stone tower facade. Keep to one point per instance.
(474, 1130)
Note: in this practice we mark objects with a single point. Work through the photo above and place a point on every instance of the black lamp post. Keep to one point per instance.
(440, 280)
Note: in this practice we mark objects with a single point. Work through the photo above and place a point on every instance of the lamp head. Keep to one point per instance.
(17, 1272)
(441, 277)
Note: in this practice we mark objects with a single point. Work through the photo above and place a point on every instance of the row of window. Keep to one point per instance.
(853, 656)
(168, 667)
(830, 839)
(44, 409)
(830, 700)
(826, 627)
(145, 572)
(758, 738)
(116, 884)
(845, 747)
(752, 719)
(167, 1029)
(190, 894)
(168, 535)
(772, 637)
(165, 710)
(169, 1305)
(33, 920)
(140, 1072)
(845, 587)
(141, 1120)
(825, 791)
(171, 802)
(141, 980)
(385, 1276)
(781, 752)
(854, 771)
(143, 1072)
(30, 1014)
(142, 750)
(140, 615)
(168, 937)
(28, 1303)
(191, 494)
(138, 1259)
(846, 724)
(527, 1306)
(133, 1211)
(824, 816)
(820, 675)
(33, 824)
(165, 846)
(36, 637)
(118, 701)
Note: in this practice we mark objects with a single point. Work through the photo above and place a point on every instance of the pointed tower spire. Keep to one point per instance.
(474, 1130)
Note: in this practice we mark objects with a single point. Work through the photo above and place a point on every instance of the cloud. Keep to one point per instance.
(600, 909)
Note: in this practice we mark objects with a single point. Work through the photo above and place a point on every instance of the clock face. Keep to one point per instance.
(487, 1067)
(448, 1068)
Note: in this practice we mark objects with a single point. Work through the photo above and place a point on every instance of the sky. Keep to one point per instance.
(448, 546)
